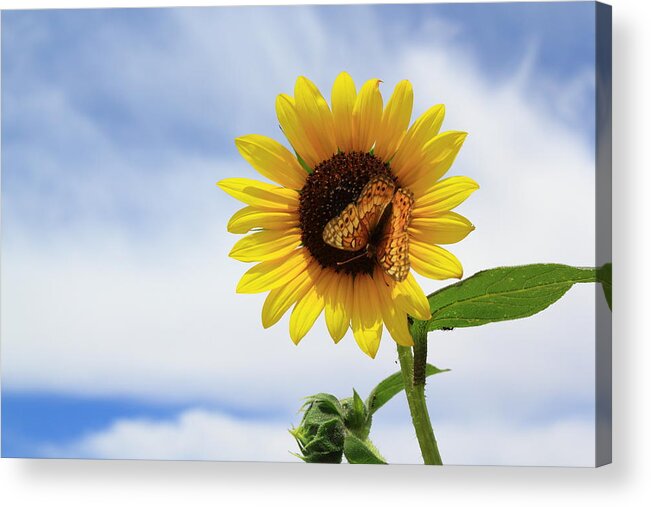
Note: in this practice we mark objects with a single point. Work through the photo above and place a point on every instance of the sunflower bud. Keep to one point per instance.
(321, 433)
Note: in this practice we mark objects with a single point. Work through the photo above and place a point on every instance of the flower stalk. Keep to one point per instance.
(412, 367)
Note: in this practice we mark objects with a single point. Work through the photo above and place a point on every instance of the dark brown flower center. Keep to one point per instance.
(334, 184)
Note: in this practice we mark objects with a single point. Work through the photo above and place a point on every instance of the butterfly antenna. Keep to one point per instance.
(352, 258)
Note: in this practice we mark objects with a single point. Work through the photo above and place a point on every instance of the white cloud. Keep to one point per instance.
(98, 309)
(210, 435)
(566, 443)
(194, 434)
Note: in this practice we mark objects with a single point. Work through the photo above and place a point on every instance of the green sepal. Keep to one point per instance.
(358, 404)
(356, 416)
(328, 403)
(358, 451)
(303, 163)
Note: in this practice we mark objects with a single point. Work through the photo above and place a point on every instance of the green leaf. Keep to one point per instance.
(391, 386)
(358, 451)
(503, 294)
(605, 277)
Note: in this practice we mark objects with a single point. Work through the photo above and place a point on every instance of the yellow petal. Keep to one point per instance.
(266, 245)
(251, 218)
(409, 296)
(355, 323)
(343, 101)
(306, 311)
(367, 115)
(395, 319)
(444, 196)
(271, 274)
(438, 155)
(366, 317)
(410, 152)
(395, 120)
(279, 300)
(356, 317)
(291, 126)
(337, 306)
(433, 261)
(272, 160)
(443, 229)
(261, 195)
(315, 118)
(441, 151)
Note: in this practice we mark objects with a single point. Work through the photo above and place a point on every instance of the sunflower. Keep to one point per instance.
(357, 206)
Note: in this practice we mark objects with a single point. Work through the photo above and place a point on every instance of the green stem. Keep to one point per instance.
(415, 390)
(419, 335)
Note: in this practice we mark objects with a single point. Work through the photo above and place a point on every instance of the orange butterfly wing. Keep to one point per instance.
(393, 249)
(352, 228)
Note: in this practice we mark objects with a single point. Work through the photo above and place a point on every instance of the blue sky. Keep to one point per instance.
(117, 123)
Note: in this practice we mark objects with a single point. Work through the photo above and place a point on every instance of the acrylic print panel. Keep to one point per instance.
(145, 315)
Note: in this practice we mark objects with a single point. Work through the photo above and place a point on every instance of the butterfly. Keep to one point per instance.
(380, 204)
